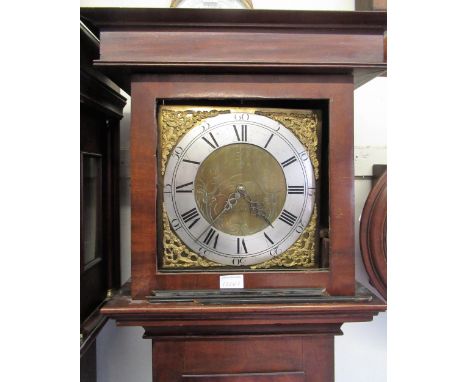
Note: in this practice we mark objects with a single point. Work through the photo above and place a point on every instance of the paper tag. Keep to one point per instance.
(231, 282)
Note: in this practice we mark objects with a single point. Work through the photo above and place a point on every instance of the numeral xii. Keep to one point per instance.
(243, 135)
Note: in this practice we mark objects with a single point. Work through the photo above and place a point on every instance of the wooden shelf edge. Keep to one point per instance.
(248, 319)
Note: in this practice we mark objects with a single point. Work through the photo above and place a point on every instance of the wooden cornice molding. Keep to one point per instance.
(144, 18)
(237, 41)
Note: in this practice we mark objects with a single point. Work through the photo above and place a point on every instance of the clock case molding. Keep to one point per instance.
(245, 56)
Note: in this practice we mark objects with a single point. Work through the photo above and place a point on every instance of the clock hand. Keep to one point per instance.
(230, 203)
(262, 214)
(255, 207)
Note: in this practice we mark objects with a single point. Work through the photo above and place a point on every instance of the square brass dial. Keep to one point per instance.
(174, 121)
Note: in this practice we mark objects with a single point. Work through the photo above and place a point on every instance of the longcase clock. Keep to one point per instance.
(241, 166)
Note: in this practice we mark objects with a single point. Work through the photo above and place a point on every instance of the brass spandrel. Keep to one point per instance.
(177, 254)
(174, 123)
(305, 128)
(301, 254)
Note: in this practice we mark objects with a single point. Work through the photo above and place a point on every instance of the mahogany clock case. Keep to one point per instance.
(274, 58)
(175, 54)
(330, 94)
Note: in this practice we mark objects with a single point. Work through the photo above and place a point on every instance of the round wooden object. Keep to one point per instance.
(373, 235)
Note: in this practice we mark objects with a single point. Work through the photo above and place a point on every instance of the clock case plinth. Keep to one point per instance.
(235, 343)
(181, 54)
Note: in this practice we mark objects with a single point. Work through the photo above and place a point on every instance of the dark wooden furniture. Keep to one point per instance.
(373, 235)
(242, 56)
(101, 107)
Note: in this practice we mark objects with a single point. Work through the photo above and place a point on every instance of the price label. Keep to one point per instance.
(231, 282)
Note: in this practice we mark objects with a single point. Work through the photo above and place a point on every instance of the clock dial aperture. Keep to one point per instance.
(238, 186)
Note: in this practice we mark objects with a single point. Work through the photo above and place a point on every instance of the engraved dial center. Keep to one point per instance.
(252, 172)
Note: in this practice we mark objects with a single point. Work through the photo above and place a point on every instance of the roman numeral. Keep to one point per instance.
(181, 187)
(288, 217)
(209, 236)
(213, 144)
(191, 215)
(190, 161)
(287, 162)
(296, 190)
(243, 136)
(268, 142)
(268, 238)
(239, 244)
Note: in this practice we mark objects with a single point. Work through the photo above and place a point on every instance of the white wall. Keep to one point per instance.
(360, 354)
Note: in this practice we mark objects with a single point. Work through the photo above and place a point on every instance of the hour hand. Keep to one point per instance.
(231, 202)
(228, 205)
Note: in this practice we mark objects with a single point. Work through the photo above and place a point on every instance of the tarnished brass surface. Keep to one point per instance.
(301, 254)
(175, 121)
(305, 126)
(223, 171)
(177, 254)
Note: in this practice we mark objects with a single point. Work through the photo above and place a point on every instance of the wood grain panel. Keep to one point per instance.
(238, 355)
(244, 359)
(318, 358)
(341, 191)
(143, 191)
(246, 46)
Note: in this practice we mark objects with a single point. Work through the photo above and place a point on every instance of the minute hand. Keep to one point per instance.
(262, 214)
